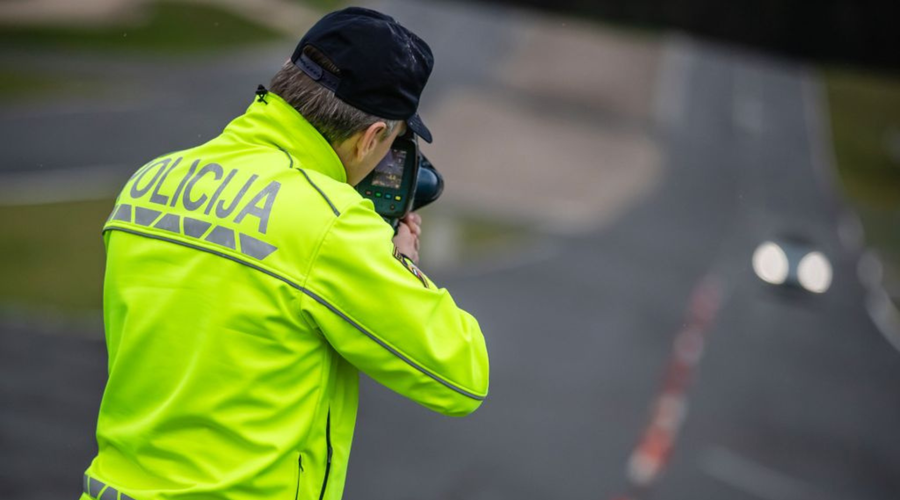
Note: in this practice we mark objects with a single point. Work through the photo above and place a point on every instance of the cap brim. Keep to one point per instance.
(416, 125)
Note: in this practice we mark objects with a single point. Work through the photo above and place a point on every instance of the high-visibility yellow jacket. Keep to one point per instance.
(246, 284)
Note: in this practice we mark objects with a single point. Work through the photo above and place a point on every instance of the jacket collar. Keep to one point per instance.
(271, 121)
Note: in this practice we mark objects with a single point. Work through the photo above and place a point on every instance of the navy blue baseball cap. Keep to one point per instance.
(383, 66)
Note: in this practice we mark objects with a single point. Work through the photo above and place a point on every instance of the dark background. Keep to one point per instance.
(834, 31)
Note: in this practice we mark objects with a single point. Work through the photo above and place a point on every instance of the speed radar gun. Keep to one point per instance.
(402, 182)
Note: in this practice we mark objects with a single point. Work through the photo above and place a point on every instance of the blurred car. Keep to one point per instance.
(793, 261)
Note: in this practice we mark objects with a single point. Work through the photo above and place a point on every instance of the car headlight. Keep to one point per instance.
(770, 263)
(814, 272)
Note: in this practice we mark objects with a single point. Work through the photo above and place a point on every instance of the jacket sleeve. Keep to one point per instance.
(387, 319)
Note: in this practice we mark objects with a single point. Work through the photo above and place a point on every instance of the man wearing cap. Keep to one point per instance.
(247, 283)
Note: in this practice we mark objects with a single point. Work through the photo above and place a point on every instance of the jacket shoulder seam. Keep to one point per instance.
(315, 186)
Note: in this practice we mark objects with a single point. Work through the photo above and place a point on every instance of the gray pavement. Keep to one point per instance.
(139, 109)
(795, 397)
(794, 386)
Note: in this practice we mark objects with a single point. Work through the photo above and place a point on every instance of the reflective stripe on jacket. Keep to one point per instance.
(246, 284)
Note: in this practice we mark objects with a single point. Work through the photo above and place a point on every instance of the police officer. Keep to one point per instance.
(247, 283)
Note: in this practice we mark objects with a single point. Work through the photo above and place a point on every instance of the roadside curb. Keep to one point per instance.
(39, 187)
(879, 303)
(52, 322)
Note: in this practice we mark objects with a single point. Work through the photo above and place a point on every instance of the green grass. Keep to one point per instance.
(475, 238)
(25, 85)
(865, 112)
(168, 27)
(53, 256)
(480, 237)
(865, 119)
(21, 83)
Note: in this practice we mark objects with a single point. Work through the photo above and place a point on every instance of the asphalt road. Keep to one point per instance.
(795, 397)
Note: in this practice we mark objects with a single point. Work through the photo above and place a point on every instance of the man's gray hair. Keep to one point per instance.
(336, 120)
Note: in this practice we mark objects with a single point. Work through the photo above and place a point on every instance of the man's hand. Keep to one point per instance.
(407, 238)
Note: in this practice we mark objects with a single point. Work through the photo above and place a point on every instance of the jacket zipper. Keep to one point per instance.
(299, 471)
(328, 463)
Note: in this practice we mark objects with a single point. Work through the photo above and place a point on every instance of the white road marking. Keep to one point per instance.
(851, 231)
(869, 269)
(747, 107)
(651, 455)
(818, 129)
(61, 185)
(671, 99)
(753, 478)
(881, 308)
(885, 315)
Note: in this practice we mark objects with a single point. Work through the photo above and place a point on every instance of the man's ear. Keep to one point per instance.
(369, 139)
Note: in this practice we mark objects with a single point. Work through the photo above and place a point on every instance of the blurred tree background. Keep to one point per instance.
(845, 31)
